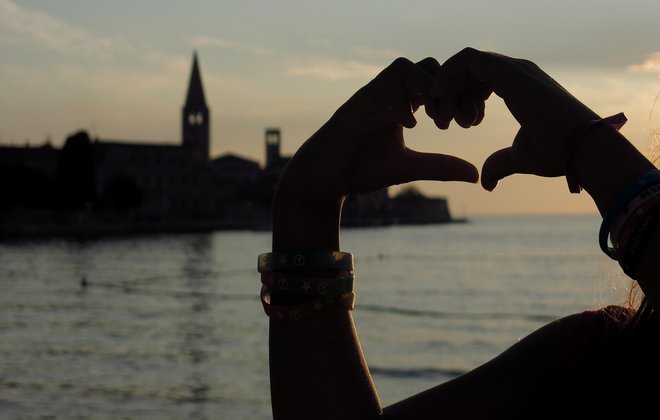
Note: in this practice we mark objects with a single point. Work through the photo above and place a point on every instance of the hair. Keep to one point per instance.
(637, 303)
(638, 306)
(653, 141)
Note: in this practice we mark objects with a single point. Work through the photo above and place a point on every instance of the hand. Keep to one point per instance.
(362, 149)
(547, 113)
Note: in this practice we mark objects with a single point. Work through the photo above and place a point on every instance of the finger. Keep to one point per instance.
(494, 72)
(404, 115)
(446, 110)
(445, 91)
(480, 92)
(436, 167)
(481, 111)
(373, 106)
(400, 111)
(471, 64)
(416, 102)
(431, 108)
(457, 79)
(431, 65)
(396, 106)
(497, 166)
(415, 79)
(466, 113)
(397, 88)
(418, 77)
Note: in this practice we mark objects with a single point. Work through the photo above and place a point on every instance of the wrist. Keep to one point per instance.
(605, 162)
(298, 227)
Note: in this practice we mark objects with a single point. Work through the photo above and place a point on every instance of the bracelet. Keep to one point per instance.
(631, 251)
(628, 231)
(309, 309)
(615, 121)
(631, 213)
(281, 276)
(619, 209)
(292, 285)
(296, 260)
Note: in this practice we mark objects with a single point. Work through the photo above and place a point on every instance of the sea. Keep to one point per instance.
(171, 326)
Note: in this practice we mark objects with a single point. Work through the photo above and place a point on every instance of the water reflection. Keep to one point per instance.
(197, 326)
(167, 327)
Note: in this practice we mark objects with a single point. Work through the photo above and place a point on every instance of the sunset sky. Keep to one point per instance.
(119, 69)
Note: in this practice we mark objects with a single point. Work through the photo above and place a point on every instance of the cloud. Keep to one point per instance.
(312, 66)
(650, 65)
(19, 24)
(209, 41)
(110, 81)
(173, 62)
(332, 69)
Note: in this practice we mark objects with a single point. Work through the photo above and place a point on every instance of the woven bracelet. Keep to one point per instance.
(615, 121)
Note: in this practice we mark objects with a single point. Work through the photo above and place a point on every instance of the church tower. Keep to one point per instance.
(195, 122)
(273, 140)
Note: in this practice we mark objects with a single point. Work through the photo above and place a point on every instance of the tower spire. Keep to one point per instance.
(195, 116)
(195, 97)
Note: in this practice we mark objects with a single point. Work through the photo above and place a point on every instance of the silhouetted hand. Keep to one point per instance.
(547, 113)
(362, 149)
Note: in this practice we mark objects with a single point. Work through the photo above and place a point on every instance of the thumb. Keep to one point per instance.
(436, 167)
(497, 166)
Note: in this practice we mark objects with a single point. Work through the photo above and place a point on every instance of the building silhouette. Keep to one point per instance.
(105, 186)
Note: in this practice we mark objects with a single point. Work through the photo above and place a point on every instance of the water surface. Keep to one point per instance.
(171, 326)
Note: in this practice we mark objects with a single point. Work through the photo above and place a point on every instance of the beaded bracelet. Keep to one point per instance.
(620, 209)
(615, 121)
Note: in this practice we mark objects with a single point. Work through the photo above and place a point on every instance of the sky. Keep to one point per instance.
(120, 69)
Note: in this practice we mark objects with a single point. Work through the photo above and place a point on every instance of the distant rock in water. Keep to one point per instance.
(409, 207)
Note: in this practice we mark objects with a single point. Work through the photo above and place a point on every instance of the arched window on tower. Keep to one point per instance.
(196, 118)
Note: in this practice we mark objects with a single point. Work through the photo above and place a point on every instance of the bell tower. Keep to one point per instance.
(273, 140)
(195, 122)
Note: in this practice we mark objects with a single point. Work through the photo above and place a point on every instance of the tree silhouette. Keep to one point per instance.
(410, 192)
(75, 172)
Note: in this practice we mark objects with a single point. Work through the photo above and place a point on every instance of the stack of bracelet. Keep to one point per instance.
(631, 219)
(287, 274)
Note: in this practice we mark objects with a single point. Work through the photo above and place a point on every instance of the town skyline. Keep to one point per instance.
(90, 66)
(96, 187)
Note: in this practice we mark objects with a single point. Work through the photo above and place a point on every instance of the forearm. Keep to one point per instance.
(606, 163)
(317, 369)
(300, 228)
